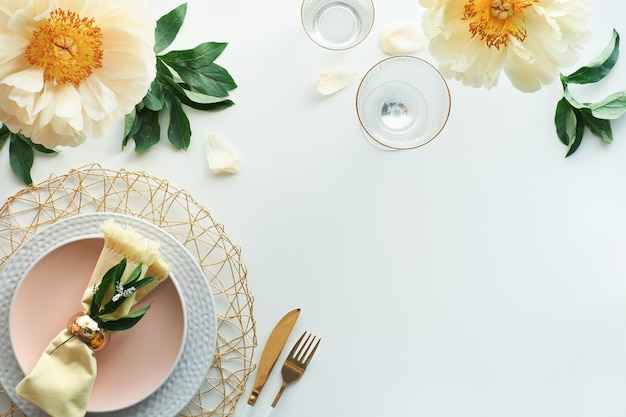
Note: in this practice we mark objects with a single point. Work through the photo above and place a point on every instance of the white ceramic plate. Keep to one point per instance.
(200, 338)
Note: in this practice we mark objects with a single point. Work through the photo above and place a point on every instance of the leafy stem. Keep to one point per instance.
(573, 117)
(112, 288)
(187, 77)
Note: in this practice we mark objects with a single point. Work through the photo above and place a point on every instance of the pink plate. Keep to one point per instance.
(136, 361)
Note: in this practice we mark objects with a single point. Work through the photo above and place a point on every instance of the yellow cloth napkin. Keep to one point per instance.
(61, 382)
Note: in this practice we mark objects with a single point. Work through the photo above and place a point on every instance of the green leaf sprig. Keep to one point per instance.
(111, 284)
(21, 153)
(188, 77)
(111, 287)
(572, 117)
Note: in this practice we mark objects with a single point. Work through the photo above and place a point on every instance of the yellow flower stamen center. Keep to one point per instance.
(67, 47)
(495, 21)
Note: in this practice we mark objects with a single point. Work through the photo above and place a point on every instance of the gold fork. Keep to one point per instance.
(296, 363)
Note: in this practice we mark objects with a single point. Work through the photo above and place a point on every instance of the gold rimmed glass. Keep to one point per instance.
(337, 24)
(402, 102)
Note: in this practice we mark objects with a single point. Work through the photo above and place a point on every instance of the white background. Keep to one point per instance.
(482, 275)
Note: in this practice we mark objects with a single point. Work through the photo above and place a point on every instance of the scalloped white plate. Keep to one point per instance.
(163, 391)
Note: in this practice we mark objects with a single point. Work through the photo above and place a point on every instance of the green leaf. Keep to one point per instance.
(179, 130)
(578, 133)
(599, 67)
(202, 55)
(134, 276)
(565, 121)
(612, 107)
(199, 98)
(4, 135)
(599, 127)
(21, 158)
(140, 283)
(211, 80)
(4, 132)
(111, 276)
(208, 107)
(149, 131)
(36, 146)
(131, 126)
(154, 99)
(191, 98)
(570, 99)
(167, 27)
(125, 322)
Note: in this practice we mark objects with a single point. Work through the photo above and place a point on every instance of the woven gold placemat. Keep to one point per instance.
(95, 189)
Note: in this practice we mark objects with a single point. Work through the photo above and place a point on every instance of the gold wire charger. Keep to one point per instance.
(95, 189)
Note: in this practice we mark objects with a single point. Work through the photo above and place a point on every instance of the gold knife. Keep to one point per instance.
(271, 352)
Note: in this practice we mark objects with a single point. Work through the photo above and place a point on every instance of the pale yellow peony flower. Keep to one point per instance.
(69, 69)
(475, 40)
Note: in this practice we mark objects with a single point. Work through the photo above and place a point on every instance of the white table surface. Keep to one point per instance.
(483, 275)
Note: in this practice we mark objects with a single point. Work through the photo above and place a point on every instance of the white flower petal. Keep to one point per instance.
(221, 156)
(402, 39)
(98, 100)
(331, 81)
(29, 80)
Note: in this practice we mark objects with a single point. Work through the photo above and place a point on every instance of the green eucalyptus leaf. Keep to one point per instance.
(168, 26)
(612, 107)
(134, 275)
(599, 67)
(202, 55)
(600, 127)
(179, 129)
(21, 158)
(134, 282)
(125, 322)
(579, 132)
(140, 283)
(149, 131)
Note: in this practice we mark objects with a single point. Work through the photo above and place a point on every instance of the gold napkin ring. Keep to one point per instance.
(87, 330)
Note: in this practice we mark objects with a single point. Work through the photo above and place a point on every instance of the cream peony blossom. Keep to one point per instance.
(69, 69)
(475, 40)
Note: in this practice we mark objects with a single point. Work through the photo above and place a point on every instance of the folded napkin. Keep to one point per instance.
(62, 380)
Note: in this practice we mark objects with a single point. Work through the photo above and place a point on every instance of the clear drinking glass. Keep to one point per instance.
(403, 102)
(337, 24)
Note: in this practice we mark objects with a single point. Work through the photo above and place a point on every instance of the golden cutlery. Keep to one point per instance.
(271, 352)
(296, 363)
